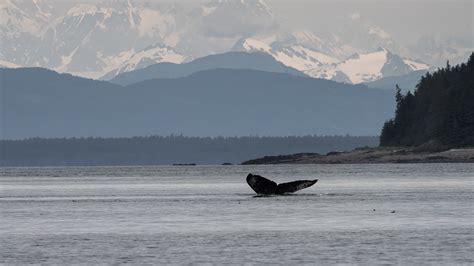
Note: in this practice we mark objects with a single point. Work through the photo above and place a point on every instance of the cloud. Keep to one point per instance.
(236, 18)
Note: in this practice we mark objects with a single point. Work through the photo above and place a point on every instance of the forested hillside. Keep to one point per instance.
(441, 110)
(156, 150)
(218, 102)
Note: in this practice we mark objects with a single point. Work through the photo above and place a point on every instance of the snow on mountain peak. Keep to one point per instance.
(414, 65)
(151, 55)
(365, 67)
(295, 56)
(114, 36)
(358, 68)
(82, 9)
(314, 56)
(251, 45)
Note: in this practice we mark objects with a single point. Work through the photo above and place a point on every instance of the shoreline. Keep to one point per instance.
(368, 155)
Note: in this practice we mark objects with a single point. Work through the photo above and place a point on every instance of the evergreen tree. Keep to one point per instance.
(441, 109)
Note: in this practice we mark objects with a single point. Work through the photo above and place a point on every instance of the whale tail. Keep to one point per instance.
(294, 186)
(262, 185)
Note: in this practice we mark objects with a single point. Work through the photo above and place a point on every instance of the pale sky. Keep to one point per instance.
(405, 20)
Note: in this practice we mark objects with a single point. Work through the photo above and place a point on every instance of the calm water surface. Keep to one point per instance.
(208, 214)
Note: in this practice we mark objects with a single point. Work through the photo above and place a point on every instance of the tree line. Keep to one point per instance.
(441, 110)
(166, 150)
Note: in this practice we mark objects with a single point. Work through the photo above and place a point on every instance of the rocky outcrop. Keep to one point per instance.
(372, 155)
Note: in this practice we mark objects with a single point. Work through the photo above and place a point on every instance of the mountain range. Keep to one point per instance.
(214, 102)
(108, 38)
(358, 68)
(230, 60)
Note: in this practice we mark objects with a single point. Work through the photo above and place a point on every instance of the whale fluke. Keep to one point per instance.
(261, 185)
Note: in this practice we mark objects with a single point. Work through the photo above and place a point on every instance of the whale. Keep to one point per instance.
(264, 186)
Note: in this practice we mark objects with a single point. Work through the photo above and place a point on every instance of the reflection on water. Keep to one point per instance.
(410, 213)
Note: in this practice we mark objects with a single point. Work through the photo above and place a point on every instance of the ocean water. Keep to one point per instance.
(356, 214)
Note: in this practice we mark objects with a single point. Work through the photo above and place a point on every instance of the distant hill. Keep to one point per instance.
(440, 113)
(220, 102)
(230, 60)
(165, 150)
(406, 82)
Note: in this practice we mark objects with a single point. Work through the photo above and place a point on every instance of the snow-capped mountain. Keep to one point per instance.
(88, 39)
(329, 45)
(358, 68)
(148, 56)
(100, 38)
(367, 67)
(109, 37)
(92, 39)
(295, 56)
